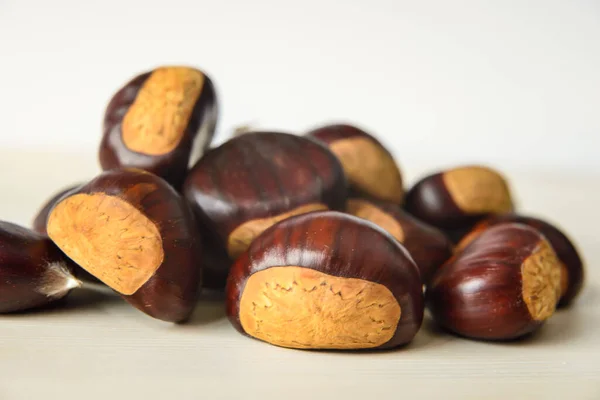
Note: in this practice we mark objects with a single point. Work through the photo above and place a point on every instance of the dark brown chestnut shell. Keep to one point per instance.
(170, 293)
(256, 179)
(339, 245)
(173, 165)
(370, 168)
(564, 247)
(428, 246)
(503, 285)
(459, 197)
(33, 271)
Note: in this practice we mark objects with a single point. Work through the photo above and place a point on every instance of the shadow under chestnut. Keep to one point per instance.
(210, 308)
(79, 300)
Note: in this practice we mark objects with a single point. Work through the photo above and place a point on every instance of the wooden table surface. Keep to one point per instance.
(97, 347)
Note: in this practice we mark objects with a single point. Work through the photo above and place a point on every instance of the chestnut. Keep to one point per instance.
(502, 286)
(369, 167)
(428, 246)
(33, 271)
(459, 197)
(252, 181)
(326, 280)
(135, 233)
(572, 269)
(39, 225)
(160, 121)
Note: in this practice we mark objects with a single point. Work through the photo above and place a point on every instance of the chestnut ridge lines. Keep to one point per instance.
(311, 236)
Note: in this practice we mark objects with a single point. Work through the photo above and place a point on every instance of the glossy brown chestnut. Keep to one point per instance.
(160, 121)
(39, 225)
(503, 285)
(459, 197)
(252, 181)
(135, 233)
(370, 169)
(33, 271)
(326, 280)
(428, 246)
(572, 269)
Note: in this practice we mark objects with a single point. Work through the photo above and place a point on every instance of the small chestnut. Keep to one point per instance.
(33, 271)
(239, 189)
(428, 246)
(135, 233)
(160, 121)
(503, 285)
(326, 280)
(459, 197)
(369, 167)
(572, 269)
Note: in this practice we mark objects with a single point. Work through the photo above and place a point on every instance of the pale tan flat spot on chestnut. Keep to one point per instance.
(541, 277)
(477, 190)
(369, 168)
(156, 121)
(564, 279)
(366, 210)
(306, 309)
(243, 235)
(109, 238)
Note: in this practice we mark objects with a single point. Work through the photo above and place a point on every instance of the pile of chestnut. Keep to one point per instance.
(311, 236)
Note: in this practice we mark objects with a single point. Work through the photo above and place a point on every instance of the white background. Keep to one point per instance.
(508, 83)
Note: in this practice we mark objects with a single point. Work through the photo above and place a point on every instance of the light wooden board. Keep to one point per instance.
(97, 347)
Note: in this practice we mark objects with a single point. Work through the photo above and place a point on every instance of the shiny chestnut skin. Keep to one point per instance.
(572, 268)
(369, 167)
(326, 280)
(135, 233)
(428, 246)
(252, 181)
(459, 197)
(160, 121)
(33, 271)
(505, 284)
